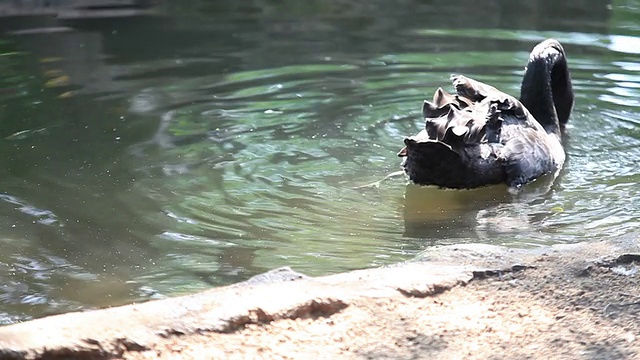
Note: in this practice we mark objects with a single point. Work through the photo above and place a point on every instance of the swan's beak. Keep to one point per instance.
(403, 152)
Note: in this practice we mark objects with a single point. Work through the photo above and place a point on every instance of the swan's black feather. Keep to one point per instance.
(480, 135)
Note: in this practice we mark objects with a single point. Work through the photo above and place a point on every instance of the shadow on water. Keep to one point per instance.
(151, 158)
(447, 213)
(484, 214)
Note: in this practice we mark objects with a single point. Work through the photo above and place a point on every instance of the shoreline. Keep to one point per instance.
(455, 301)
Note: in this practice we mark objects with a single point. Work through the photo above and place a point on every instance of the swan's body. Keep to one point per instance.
(482, 136)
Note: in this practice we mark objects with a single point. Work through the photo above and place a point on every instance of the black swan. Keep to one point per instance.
(482, 136)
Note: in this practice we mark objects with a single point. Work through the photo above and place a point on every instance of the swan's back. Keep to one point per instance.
(479, 136)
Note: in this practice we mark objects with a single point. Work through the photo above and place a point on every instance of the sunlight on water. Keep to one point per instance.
(244, 149)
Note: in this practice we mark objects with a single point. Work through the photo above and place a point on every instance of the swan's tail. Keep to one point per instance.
(434, 163)
(457, 167)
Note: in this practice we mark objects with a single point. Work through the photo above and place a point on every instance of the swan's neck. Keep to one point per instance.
(546, 87)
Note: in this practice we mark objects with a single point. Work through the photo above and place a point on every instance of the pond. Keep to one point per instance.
(145, 158)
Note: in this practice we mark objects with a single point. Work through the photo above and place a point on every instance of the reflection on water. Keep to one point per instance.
(134, 169)
(448, 214)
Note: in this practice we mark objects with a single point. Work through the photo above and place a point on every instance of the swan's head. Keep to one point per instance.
(549, 48)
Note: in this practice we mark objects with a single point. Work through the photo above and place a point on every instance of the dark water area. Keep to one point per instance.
(144, 158)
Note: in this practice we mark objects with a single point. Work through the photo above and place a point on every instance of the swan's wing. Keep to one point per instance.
(527, 156)
(478, 107)
(526, 150)
(478, 92)
(472, 89)
(445, 112)
(440, 105)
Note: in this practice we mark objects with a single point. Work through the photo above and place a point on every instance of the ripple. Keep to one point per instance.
(44, 217)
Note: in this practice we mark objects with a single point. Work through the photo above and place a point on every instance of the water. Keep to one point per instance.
(144, 159)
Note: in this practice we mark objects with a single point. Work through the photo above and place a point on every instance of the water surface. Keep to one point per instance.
(144, 159)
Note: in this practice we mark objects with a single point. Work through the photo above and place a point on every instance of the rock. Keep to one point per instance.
(273, 276)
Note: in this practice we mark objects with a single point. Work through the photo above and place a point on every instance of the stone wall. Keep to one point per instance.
(20, 15)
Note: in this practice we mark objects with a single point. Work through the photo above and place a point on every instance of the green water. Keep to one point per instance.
(143, 159)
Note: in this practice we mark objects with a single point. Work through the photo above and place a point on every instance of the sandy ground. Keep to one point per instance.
(576, 302)
(590, 313)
